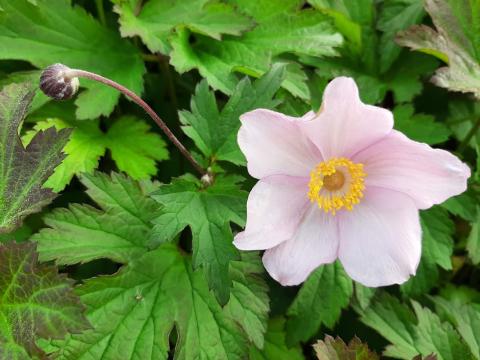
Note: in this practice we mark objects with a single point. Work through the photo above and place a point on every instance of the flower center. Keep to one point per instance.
(335, 184)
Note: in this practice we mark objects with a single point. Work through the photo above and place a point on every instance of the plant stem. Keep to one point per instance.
(101, 12)
(463, 145)
(150, 57)
(92, 76)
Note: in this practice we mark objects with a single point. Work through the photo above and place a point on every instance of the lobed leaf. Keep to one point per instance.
(215, 132)
(208, 212)
(52, 31)
(455, 41)
(319, 302)
(23, 171)
(37, 302)
(281, 28)
(156, 21)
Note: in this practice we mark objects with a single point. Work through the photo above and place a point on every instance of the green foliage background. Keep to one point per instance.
(114, 249)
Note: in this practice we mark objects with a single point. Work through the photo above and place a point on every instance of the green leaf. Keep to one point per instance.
(133, 147)
(157, 20)
(375, 62)
(24, 170)
(135, 311)
(466, 319)
(463, 205)
(281, 28)
(411, 333)
(83, 150)
(249, 301)
(336, 349)
(438, 230)
(420, 127)
(396, 15)
(364, 295)
(437, 248)
(276, 344)
(53, 31)
(37, 302)
(456, 41)
(473, 241)
(215, 132)
(319, 302)
(32, 77)
(119, 231)
(208, 212)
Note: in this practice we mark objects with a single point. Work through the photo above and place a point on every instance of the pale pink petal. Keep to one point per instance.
(380, 239)
(429, 176)
(314, 243)
(274, 145)
(275, 207)
(344, 125)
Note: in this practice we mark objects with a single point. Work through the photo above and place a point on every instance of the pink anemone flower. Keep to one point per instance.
(340, 184)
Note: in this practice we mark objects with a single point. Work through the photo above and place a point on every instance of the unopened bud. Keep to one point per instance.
(56, 83)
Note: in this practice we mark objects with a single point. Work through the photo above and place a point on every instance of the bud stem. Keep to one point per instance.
(92, 76)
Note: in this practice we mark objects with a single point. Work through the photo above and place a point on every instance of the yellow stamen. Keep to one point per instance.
(335, 184)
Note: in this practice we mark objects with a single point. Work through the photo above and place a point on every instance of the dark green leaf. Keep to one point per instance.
(37, 302)
(135, 310)
(320, 301)
(23, 171)
(214, 132)
(208, 212)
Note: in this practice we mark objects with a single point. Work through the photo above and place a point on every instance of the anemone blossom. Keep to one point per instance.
(340, 184)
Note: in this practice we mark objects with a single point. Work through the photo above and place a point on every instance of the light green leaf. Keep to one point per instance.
(120, 231)
(215, 132)
(466, 319)
(419, 127)
(53, 31)
(208, 212)
(249, 301)
(319, 302)
(23, 171)
(412, 333)
(473, 241)
(276, 344)
(134, 149)
(83, 150)
(134, 312)
(157, 20)
(456, 41)
(37, 302)
(281, 28)
(336, 349)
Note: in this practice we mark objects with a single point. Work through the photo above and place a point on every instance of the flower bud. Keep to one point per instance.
(56, 83)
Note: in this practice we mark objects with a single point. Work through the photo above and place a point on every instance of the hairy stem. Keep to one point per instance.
(92, 76)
